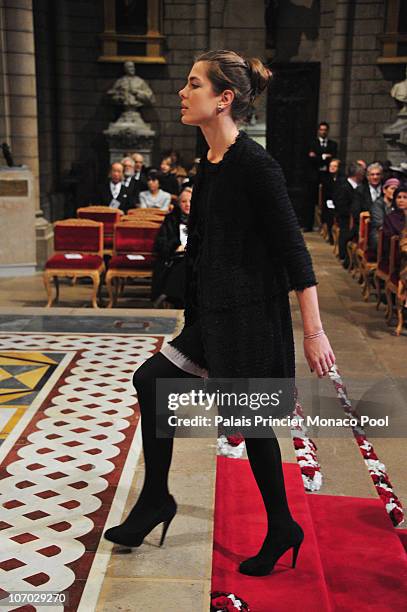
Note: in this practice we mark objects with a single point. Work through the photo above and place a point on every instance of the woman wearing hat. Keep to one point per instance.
(380, 208)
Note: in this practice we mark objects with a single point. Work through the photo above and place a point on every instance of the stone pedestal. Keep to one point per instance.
(17, 221)
(44, 238)
(257, 132)
(257, 129)
(395, 136)
(130, 134)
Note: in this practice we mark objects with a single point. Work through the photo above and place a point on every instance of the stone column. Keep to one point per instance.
(18, 94)
(339, 77)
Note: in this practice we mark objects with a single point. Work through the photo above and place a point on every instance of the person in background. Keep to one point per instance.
(168, 281)
(113, 193)
(380, 208)
(140, 174)
(343, 197)
(168, 181)
(366, 194)
(328, 186)
(321, 151)
(395, 221)
(177, 167)
(154, 197)
(129, 181)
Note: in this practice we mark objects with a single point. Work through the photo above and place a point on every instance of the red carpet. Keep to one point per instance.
(240, 526)
(363, 558)
(351, 557)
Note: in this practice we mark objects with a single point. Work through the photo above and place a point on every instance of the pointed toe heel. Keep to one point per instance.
(132, 532)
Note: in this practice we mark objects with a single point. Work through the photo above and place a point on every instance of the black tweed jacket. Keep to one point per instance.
(253, 250)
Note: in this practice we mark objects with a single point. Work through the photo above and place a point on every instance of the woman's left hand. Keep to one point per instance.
(319, 354)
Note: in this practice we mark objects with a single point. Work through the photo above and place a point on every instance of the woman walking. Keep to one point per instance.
(245, 252)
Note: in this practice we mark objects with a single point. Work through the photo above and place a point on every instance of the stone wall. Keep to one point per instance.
(18, 110)
(72, 84)
(343, 35)
(370, 106)
(72, 87)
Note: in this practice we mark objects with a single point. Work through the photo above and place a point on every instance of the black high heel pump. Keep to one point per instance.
(264, 562)
(131, 533)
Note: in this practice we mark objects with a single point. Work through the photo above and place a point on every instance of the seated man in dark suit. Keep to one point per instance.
(140, 171)
(113, 193)
(321, 151)
(343, 197)
(366, 194)
(132, 185)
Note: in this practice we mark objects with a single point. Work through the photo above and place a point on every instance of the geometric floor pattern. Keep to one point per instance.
(61, 463)
(22, 376)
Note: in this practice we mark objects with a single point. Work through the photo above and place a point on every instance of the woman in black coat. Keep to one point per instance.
(168, 282)
(245, 251)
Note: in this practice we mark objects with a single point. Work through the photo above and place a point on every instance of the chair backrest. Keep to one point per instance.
(135, 237)
(108, 216)
(364, 220)
(79, 236)
(394, 258)
(147, 212)
(379, 246)
(156, 221)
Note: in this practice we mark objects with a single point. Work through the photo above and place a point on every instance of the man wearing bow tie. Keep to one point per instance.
(322, 150)
(113, 193)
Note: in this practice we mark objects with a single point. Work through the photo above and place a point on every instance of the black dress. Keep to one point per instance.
(186, 350)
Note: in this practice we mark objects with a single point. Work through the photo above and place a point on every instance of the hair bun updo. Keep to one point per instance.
(247, 78)
(260, 75)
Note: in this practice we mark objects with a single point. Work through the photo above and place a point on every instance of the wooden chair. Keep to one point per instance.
(351, 250)
(133, 256)
(78, 245)
(323, 228)
(381, 275)
(335, 236)
(392, 283)
(108, 216)
(147, 212)
(366, 258)
(155, 219)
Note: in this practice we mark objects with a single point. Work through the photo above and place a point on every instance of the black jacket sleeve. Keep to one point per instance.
(167, 239)
(342, 197)
(277, 216)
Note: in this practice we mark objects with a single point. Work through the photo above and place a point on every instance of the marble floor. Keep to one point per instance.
(65, 394)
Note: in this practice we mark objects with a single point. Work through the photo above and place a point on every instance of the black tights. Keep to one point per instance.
(263, 453)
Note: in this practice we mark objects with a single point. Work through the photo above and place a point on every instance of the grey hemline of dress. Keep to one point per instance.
(182, 361)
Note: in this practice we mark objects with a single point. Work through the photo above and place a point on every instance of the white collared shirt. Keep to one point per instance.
(183, 234)
(115, 189)
(353, 183)
(375, 192)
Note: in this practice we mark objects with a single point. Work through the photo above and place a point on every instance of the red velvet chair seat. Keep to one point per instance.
(123, 262)
(87, 262)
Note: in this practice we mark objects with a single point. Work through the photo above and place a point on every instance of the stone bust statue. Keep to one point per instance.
(130, 90)
(399, 93)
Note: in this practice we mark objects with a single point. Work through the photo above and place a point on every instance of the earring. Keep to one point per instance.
(219, 108)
